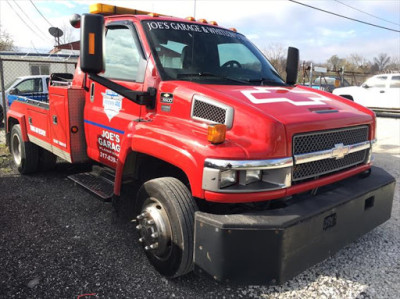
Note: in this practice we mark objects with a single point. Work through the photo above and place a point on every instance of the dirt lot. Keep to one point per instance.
(58, 241)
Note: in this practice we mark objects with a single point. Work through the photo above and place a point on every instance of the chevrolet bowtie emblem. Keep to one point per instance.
(340, 151)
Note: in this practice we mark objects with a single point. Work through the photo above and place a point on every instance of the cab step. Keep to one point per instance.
(99, 181)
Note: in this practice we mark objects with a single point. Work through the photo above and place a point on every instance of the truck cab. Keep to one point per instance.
(219, 141)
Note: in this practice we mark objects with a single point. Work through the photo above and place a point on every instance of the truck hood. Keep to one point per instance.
(299, 108)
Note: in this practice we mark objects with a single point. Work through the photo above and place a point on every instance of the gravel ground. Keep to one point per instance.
(58, 241)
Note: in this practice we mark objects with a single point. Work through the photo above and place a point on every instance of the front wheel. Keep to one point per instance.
(165, 220)
(25, 154)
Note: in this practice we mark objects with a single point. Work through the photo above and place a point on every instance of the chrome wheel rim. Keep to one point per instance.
(154, 229)
(16, 149)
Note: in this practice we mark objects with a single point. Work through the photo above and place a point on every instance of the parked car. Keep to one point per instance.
(34, 87)
(378, 92)
(328, 83)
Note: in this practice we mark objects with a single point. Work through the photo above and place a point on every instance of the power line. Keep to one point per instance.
(39, 30)
(41, 13)
(366, 13)
(335, 14)
(27, 25)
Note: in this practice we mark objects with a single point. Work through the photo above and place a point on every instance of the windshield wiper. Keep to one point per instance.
(262, 81)
(207, 74)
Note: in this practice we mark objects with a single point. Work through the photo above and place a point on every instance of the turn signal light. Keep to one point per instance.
(216, 133)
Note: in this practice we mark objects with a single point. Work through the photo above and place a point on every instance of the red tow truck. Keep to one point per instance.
(245, 176)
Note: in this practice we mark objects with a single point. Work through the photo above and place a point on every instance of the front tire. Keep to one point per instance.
(25, 154)
(165, 220)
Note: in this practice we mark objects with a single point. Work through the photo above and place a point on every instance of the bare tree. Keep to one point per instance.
(276, 54)
(6, 41)
(335, 63)
(382, 61)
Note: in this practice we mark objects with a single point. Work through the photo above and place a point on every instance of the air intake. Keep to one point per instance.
(210, 111)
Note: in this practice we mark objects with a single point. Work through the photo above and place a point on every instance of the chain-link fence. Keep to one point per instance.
(28, 77)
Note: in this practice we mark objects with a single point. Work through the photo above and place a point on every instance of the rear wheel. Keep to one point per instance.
(25, 154)
(165, 220)
(349, 97)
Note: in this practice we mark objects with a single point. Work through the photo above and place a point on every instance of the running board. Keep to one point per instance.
(98, 181)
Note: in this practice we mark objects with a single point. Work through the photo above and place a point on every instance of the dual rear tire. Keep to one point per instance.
(28, 157)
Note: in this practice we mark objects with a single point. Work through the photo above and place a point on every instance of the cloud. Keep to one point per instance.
(317, 34)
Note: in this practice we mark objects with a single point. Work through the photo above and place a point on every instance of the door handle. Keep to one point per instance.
(382, 91)
(55, 121)
(92, 92)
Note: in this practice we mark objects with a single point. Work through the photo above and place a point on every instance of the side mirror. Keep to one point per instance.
(92, 36)
(292, 65)
(14, 91)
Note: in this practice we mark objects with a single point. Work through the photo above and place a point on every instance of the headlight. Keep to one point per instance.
(227, 178)
(247, 176)
(250, 176)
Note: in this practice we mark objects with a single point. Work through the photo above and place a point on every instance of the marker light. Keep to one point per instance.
(202, 21)
(190, 19)
(99, 8)
(233, 29)
(106, 9)
(91, 43)
(216, 133)
(213, 23)
(74, 129)
(153, 14)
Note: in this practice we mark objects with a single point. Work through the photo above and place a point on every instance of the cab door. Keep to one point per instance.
(393, 93)
(107, 114)
(374, 91)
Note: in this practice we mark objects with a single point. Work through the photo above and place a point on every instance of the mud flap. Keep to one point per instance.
(271, 247)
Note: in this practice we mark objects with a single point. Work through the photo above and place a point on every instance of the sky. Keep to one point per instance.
(267, 23)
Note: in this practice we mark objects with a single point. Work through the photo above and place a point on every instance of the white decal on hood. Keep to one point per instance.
(112, 103)
(289, 96)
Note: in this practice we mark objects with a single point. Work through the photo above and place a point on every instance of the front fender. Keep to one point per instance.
(175, 154)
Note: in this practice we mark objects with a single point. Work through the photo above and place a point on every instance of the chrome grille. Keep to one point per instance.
(209, 112)
(319, 141)
(317, 168)
(325, 140)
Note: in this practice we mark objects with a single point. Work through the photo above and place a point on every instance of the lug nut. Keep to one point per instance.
(150, 222)
(139, 227)
(139, 217)
(141, 240)
(146, 248)
(154, 235)
(145, 214)
(154, 246)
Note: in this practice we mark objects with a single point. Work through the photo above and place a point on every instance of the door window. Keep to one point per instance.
(395, 83)
(30, 86)
(377, 82)
(121, 54)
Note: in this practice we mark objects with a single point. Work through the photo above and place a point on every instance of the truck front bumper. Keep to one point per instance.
(271, 247)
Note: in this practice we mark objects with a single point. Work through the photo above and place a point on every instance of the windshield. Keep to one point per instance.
(207, 54)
